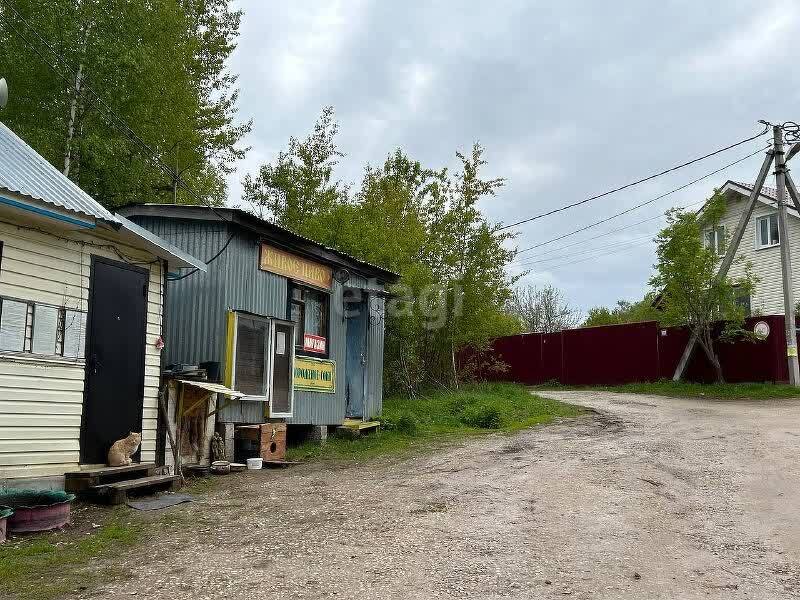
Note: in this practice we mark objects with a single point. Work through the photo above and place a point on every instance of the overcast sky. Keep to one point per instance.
(568, 99)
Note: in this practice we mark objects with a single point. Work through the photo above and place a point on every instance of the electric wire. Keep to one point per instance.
(634, 183)
(617, 244)
(610, 252)
(607, 233)
(640, 205)
(208, 262)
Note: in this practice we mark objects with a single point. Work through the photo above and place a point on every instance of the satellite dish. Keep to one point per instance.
(3, 92)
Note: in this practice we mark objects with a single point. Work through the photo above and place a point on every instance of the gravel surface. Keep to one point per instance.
(645, 498)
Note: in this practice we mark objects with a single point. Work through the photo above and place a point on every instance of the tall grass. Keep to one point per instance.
(433, 418)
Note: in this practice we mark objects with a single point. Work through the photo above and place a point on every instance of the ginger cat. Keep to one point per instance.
(120, 453)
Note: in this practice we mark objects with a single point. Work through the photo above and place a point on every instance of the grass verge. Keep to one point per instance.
(46, 566)
(50, 565)
(431, 419)
(724, 391)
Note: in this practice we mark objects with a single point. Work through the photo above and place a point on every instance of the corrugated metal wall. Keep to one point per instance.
(197, 308)
(196, 305)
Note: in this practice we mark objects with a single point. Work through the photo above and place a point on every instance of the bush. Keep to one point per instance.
(406, 423)
(482, 416)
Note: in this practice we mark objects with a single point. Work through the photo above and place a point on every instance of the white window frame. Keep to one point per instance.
(719, 246)
(758, 220)
(270, 364)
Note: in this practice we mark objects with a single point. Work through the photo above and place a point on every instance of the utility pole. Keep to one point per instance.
(786, 258)
(727, 261)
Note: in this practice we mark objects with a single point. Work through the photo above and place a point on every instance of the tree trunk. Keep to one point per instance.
(453, 359)
(73, 110)
(708, 346)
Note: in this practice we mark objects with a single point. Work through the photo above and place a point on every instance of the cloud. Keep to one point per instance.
(568, 100)
(745, 50)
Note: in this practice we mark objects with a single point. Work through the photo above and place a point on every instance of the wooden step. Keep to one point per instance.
(359, 425)
(117, 492)
(355, 427)
(80, 481)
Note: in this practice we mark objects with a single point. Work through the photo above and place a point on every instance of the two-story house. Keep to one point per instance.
(760, 245)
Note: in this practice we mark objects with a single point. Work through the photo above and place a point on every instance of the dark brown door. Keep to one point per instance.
(115, 349)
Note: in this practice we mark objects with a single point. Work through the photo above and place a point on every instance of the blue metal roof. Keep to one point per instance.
(26, 172)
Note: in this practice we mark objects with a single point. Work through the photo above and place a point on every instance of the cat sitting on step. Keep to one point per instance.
(121, 450)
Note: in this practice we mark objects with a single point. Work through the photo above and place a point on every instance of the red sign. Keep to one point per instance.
(314, 343)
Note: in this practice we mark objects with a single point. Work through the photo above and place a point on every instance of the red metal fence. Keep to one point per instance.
(617, 354)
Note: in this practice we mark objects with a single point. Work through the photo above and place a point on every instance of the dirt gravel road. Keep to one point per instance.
(646, 498)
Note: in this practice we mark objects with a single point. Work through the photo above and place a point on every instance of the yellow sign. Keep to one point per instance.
(314, 375)
(286, 264)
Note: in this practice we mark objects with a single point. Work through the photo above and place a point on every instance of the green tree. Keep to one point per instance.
(420, 222)
(161, 67)
(298, 191)
(686, 273)
(625, 312)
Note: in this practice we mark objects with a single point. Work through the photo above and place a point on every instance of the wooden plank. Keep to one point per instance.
(112, 470)
(133, 484)
(117, 493)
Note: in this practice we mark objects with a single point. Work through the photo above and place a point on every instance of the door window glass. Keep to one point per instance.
(251, 356)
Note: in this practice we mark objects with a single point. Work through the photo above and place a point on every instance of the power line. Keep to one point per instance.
(618, 243)
(610, 252)
(617, 230)
(645, 203)
(109, 112)
(609, 232)
(633, 183)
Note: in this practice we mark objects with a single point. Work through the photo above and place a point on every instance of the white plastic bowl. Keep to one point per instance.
(254, 464)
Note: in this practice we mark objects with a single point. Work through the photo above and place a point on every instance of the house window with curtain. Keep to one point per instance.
(767, 234)
(309, 309)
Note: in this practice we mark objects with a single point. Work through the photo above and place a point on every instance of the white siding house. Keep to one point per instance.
(760, 245)
(52, 236)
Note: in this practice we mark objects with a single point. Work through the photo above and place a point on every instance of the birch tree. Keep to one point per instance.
(159, 68)
(542, 309)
